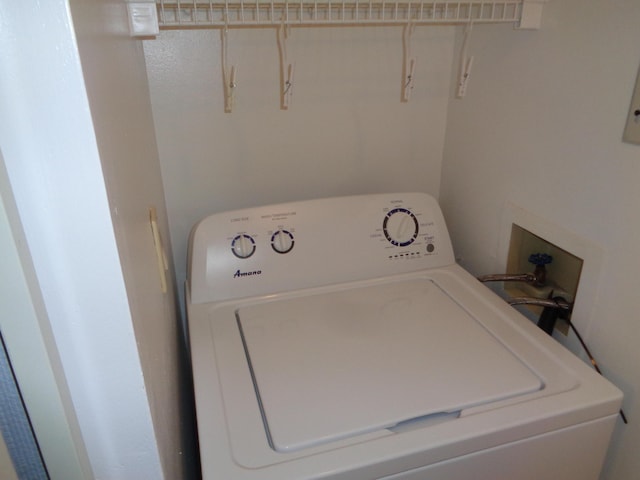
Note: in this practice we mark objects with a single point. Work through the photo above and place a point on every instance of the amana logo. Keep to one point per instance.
(239, 274)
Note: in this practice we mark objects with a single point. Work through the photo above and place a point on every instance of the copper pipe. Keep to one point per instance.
(508, 277)
(541, 302)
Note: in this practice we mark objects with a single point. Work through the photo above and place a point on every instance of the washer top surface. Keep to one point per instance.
(338, 364)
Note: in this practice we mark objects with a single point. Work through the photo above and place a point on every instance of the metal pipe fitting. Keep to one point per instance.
(508, 277)
(541, 302)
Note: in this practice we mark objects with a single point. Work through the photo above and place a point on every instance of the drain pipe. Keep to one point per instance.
(554, 308)
(557, 303)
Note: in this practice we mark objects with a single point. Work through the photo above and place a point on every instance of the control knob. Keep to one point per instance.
(243, 246)
(282, 241)
(400, 227)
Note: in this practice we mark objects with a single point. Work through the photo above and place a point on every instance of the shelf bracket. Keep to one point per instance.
(143, 18)
(531, 15)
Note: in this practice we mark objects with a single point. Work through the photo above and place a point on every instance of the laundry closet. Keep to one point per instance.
(153, 119)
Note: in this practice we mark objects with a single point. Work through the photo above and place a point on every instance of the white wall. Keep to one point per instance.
(345, 133)
(53, 153)
(34, 358)
(541, 129)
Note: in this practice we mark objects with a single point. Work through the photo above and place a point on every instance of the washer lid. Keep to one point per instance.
(338, 364)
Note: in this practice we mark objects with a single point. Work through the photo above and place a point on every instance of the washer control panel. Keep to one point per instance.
(316, 242)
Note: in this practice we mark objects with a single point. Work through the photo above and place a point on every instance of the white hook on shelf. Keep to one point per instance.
(229, 76)
(408, 62)
(466, 62)
(286, 68)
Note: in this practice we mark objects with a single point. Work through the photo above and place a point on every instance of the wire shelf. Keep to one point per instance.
(215, 14)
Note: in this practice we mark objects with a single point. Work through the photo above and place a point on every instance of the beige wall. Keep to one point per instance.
(345, 133)
(118, 93)
(541, 129)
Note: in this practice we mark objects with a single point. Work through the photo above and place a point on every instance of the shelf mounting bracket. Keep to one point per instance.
(531, 15)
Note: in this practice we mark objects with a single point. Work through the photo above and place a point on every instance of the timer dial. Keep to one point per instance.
(243, 246)
(282, 241)
(400, 227)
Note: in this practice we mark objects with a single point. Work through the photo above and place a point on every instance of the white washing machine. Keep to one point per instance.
(338, 339)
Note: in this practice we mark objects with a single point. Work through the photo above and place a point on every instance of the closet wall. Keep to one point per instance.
(541, 129)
